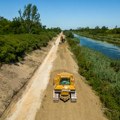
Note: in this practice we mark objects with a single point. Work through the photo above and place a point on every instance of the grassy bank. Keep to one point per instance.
(14, 46)
(110, 38)
(102, 74)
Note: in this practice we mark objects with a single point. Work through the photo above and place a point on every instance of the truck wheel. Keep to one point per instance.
(73, 97)
(55, 96)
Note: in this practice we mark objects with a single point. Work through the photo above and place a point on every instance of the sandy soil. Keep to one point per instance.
(15, 76)
(88, 106)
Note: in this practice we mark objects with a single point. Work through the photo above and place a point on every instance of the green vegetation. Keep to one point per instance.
(102, 73)
(23, 34)
(102, 34)
(14, 47)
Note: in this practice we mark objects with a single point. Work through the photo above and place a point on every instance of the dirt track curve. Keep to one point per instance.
(36, 102)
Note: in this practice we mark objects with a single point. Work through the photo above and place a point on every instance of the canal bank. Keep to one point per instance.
(110, 50)
(101, 73)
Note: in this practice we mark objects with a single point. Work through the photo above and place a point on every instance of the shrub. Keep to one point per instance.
(14, 47)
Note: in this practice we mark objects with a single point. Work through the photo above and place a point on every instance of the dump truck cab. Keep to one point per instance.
(64, 87)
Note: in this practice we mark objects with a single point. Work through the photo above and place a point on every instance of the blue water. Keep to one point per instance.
(107, 49)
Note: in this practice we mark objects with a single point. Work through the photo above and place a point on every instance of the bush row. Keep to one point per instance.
(14, 47)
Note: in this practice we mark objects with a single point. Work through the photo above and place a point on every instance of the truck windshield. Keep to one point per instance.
(65, 81)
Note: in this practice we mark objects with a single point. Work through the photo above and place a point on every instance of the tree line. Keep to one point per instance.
(97, 30)
(101, 33)
(23, 34)
(27, 22)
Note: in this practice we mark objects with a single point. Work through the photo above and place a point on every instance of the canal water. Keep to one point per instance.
(107, 49)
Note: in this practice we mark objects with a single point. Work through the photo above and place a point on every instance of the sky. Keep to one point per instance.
(68, 14)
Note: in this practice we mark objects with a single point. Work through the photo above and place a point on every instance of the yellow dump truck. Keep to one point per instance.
(64, 87)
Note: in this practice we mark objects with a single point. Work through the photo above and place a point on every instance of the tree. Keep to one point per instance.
(104, 28)
(4, 25)
(30, 18)
(16, 26)
(97, 28)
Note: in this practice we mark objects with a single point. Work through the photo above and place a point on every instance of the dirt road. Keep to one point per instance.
(88, 106)
(36, 102)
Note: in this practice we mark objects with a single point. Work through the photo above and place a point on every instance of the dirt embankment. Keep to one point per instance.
(13, 77)
(88, 106)
(25, 107)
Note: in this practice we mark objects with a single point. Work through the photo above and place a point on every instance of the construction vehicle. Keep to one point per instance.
(64, 87)
(62, 39)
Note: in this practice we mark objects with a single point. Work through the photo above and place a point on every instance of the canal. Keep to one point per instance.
(107, 49)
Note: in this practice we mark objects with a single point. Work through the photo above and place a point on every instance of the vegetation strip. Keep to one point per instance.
(101, 73)
(102, 34)
(14, 47)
